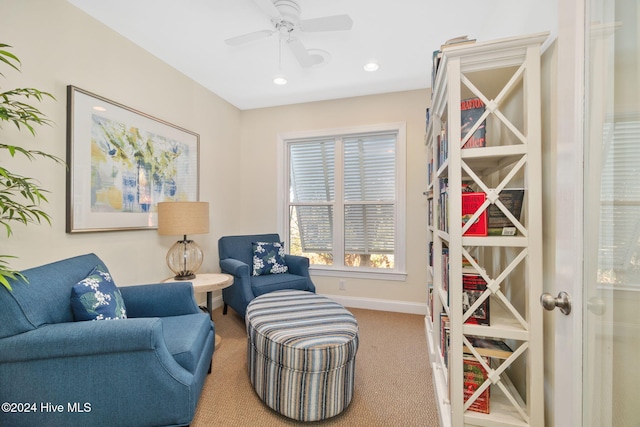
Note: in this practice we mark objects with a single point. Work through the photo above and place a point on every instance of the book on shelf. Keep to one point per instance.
(443, 204)
(430, 299)
(442, 145)
(444, 336)
(489, 347)
(457, 41)
(473, 286)
(471, 201)
(436, 57)
(470, 112)
(445, 271)
(467, 267)
(474, 376)
(429, 195)
(427, 119)
(498, 223)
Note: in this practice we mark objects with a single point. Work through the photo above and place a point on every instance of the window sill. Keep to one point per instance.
(358, 274)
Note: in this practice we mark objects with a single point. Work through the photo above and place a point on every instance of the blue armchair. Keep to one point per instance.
(236, 258)
(146, 370)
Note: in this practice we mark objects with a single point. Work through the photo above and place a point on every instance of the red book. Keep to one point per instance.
(474, 376)
(470, 204)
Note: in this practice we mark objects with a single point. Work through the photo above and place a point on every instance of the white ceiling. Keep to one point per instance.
(399, 34)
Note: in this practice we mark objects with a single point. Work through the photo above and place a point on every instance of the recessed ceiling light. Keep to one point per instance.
(280, 80)
(371, 66)
(99, 108)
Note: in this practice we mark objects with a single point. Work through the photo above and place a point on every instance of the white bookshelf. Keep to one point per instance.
(505, 74)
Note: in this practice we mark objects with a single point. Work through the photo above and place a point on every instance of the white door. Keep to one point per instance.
(597, 254)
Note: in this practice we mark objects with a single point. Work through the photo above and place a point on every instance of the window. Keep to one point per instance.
(619, 241)
(343, 198)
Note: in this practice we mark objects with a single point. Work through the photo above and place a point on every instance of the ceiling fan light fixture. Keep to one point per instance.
(371, 66)
(285, 17)
(279, 79)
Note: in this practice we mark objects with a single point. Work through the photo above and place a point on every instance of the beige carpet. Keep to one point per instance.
(393, 379)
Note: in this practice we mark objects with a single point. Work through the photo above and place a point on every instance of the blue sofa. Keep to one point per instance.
(236, 258)
(146, 370)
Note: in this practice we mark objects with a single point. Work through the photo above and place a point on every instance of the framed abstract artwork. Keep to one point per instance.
(121, 163)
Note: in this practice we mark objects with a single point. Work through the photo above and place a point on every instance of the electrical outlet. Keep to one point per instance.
(342, 285)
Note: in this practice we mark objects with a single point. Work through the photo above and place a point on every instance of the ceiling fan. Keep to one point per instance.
(285, 18)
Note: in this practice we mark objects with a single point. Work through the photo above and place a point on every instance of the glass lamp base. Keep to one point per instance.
(184, 259)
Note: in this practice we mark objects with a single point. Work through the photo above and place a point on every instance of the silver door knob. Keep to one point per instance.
(562, 301)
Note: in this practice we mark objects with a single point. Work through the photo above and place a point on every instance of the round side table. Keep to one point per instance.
(209, 282)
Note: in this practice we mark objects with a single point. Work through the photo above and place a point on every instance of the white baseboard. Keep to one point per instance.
(380, 304)
(365, 303)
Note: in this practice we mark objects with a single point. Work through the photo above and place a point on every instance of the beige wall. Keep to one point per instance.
(59, 45)
(260, 129)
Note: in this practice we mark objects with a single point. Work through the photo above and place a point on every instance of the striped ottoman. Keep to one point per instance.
(301, 353)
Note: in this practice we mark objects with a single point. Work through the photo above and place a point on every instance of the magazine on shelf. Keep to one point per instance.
(489, 347)
(498, 223)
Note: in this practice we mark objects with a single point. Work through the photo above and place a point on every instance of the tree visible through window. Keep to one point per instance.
(342, 199)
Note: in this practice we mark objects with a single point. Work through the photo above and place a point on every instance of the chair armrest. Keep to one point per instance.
(297, 264)
(240, 293)
(159, 300)
(122, 364)
(77, 339)
(234, 267)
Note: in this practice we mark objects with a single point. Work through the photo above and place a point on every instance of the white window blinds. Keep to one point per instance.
(620, 203)
(312, 178)
(368, 192)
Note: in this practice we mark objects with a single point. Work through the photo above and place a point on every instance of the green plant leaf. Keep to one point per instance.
(20, 196)
(7, 273)
(7, 57)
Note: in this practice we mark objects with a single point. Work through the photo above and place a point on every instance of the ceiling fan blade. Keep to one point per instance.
(268, 8)
(246, 38)
(327, 23)
(302, 54)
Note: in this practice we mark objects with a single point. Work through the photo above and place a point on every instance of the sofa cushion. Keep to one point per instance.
(268, 258)
(96, 297)
(185, 337)
(275, 282)
(44, 297)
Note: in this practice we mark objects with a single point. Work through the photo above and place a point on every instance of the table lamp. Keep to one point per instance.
(182, 218)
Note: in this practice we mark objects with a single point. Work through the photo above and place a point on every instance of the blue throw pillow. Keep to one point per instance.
(96, 297)
(268, 258)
